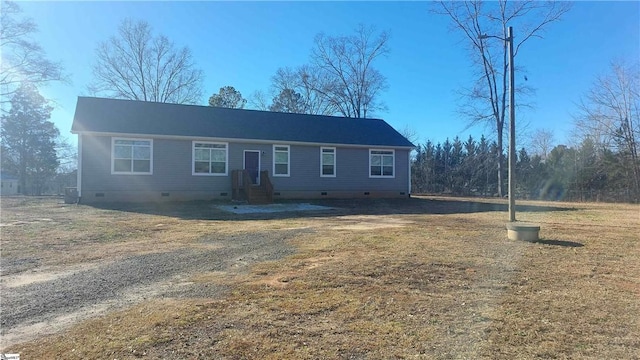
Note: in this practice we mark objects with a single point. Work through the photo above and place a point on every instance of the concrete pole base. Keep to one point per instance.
(522, 231)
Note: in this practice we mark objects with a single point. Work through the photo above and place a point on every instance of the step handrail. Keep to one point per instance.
(246, 182)
(266, 183)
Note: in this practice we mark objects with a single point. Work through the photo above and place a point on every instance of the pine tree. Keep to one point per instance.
(29, 140)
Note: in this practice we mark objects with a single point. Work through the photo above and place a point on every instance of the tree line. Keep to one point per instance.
(340, 78)
(587, 172)
(603, 165)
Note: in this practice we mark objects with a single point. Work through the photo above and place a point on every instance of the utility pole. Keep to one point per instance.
(512, 122)
(515, 230)
(512, 130)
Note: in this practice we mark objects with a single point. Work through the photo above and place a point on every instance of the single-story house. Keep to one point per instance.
(147, 151)
(9, 184)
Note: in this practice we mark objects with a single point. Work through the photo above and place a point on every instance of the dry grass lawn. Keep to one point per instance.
(431, 278)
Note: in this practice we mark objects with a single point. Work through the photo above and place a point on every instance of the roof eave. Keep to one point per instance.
(246, 140)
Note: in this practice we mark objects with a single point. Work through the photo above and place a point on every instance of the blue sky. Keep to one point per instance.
(242, 44)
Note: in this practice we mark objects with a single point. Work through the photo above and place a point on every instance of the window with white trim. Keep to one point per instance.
(209, 158)
(281, 160)
(381, 163)
(131, 156)
(327, 161)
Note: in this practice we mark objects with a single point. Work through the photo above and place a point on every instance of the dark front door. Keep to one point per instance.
(252, 165)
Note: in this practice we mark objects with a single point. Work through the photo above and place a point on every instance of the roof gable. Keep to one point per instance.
(99, 115)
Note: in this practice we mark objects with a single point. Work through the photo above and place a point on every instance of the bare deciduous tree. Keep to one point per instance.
(487, 99)
(610, 115)
(139, 66)
(22, 59)
(311, 83)
(410, 133)
(258, 100)
(542, 142)
(67, 155)
(347, 62)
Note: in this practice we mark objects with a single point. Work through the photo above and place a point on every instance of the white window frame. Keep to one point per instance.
(333, 150)
(392, 153)
(193, 158)
(113, 158)
(288, 160)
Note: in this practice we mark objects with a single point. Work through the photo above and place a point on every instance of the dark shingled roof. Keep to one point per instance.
(151, 118)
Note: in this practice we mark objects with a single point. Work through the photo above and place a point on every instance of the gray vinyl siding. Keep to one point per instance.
(352, 172)
(172, 169)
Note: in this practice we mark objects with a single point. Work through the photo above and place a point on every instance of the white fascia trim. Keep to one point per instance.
(409, 160)
(79, 170)
(242, 140)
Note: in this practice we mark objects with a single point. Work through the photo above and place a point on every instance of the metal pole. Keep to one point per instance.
(512, 131)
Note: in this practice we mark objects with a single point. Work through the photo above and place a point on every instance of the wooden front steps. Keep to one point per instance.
(243, 189)
(259, 195)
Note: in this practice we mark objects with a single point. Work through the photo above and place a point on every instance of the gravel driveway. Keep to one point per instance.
(135, 278)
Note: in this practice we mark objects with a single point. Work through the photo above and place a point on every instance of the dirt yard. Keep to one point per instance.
(427, 277)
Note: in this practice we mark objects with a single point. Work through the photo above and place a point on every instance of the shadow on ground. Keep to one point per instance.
(207, 210)
(562, 243)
